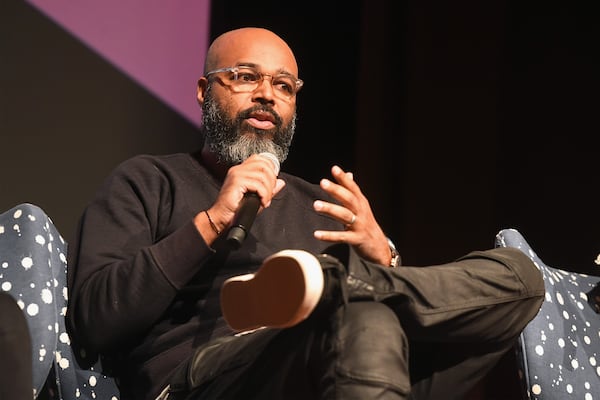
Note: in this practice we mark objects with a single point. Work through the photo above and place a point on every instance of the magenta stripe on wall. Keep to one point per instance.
(160, 44)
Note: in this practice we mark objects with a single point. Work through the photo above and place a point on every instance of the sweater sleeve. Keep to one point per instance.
(136, 247)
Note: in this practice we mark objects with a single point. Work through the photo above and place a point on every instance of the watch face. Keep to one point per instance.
(395, 261)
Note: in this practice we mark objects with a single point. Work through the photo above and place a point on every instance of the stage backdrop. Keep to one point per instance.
(85, 85)
(457, 119)
(160, 45)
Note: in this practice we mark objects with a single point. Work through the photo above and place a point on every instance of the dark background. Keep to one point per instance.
(457, 118)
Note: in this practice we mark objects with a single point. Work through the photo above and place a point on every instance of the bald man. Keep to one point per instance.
(309, 303)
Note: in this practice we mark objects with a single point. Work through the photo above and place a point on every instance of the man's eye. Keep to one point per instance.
(284, 84)
(247, 76)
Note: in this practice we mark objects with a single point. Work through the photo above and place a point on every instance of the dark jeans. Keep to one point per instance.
(407, 333)
(16, 380)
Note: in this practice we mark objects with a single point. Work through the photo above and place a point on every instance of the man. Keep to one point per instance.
(153, 254)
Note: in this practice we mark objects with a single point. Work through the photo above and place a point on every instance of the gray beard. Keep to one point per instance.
(224, 136)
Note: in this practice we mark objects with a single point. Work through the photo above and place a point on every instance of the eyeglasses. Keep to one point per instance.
(245, 79)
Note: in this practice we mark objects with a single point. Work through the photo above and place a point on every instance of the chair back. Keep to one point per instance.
(33, 270)
(559, 350)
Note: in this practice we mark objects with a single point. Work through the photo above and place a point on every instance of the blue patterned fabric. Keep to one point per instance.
(559, 349)
(33, 270)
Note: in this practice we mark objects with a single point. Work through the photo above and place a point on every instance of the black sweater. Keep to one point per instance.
(143, 284)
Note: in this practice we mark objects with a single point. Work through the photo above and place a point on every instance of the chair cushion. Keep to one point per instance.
(27, 245)
(559, 349)
(33, 269)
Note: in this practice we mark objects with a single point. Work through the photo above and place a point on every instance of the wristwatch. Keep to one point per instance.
(395, 262)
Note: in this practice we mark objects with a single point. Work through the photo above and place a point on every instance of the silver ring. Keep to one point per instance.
(353, 220)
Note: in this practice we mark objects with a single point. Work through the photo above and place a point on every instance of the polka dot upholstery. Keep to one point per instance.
(559, 349)
(33, 270)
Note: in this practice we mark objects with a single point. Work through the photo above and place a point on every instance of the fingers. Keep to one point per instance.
(347, 210)
(257, 174)
(341, 213)
(348, 195)
(345, 190)
(353, 210)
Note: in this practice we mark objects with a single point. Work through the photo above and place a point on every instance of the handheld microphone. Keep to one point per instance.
(244, 218)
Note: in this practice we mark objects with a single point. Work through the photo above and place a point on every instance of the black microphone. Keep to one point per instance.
(244, 218)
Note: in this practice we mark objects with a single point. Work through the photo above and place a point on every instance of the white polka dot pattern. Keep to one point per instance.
(558, 349)
(33, 270)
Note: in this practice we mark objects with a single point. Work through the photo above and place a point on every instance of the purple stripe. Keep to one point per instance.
(160, 44)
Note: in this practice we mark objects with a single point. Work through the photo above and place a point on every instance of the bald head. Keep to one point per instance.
(251, 46)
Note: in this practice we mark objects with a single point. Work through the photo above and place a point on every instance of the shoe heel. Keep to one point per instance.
(282, 293)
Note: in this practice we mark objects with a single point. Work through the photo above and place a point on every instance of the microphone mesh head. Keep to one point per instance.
(273, 158)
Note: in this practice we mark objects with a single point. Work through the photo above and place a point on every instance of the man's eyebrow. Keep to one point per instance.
(280, 71)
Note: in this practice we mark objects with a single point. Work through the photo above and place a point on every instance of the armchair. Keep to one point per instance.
(559, 350)
(33, 270)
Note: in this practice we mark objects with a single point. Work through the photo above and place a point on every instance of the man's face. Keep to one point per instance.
(232, 138)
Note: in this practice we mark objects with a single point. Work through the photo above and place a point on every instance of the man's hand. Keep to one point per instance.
(256, 174)
(354, 211)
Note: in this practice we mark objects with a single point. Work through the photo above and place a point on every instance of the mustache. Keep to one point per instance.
(245, 114)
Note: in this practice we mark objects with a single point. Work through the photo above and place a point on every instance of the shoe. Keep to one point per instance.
(282, 293)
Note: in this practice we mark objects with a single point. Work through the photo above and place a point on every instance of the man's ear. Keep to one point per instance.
(201, 89)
